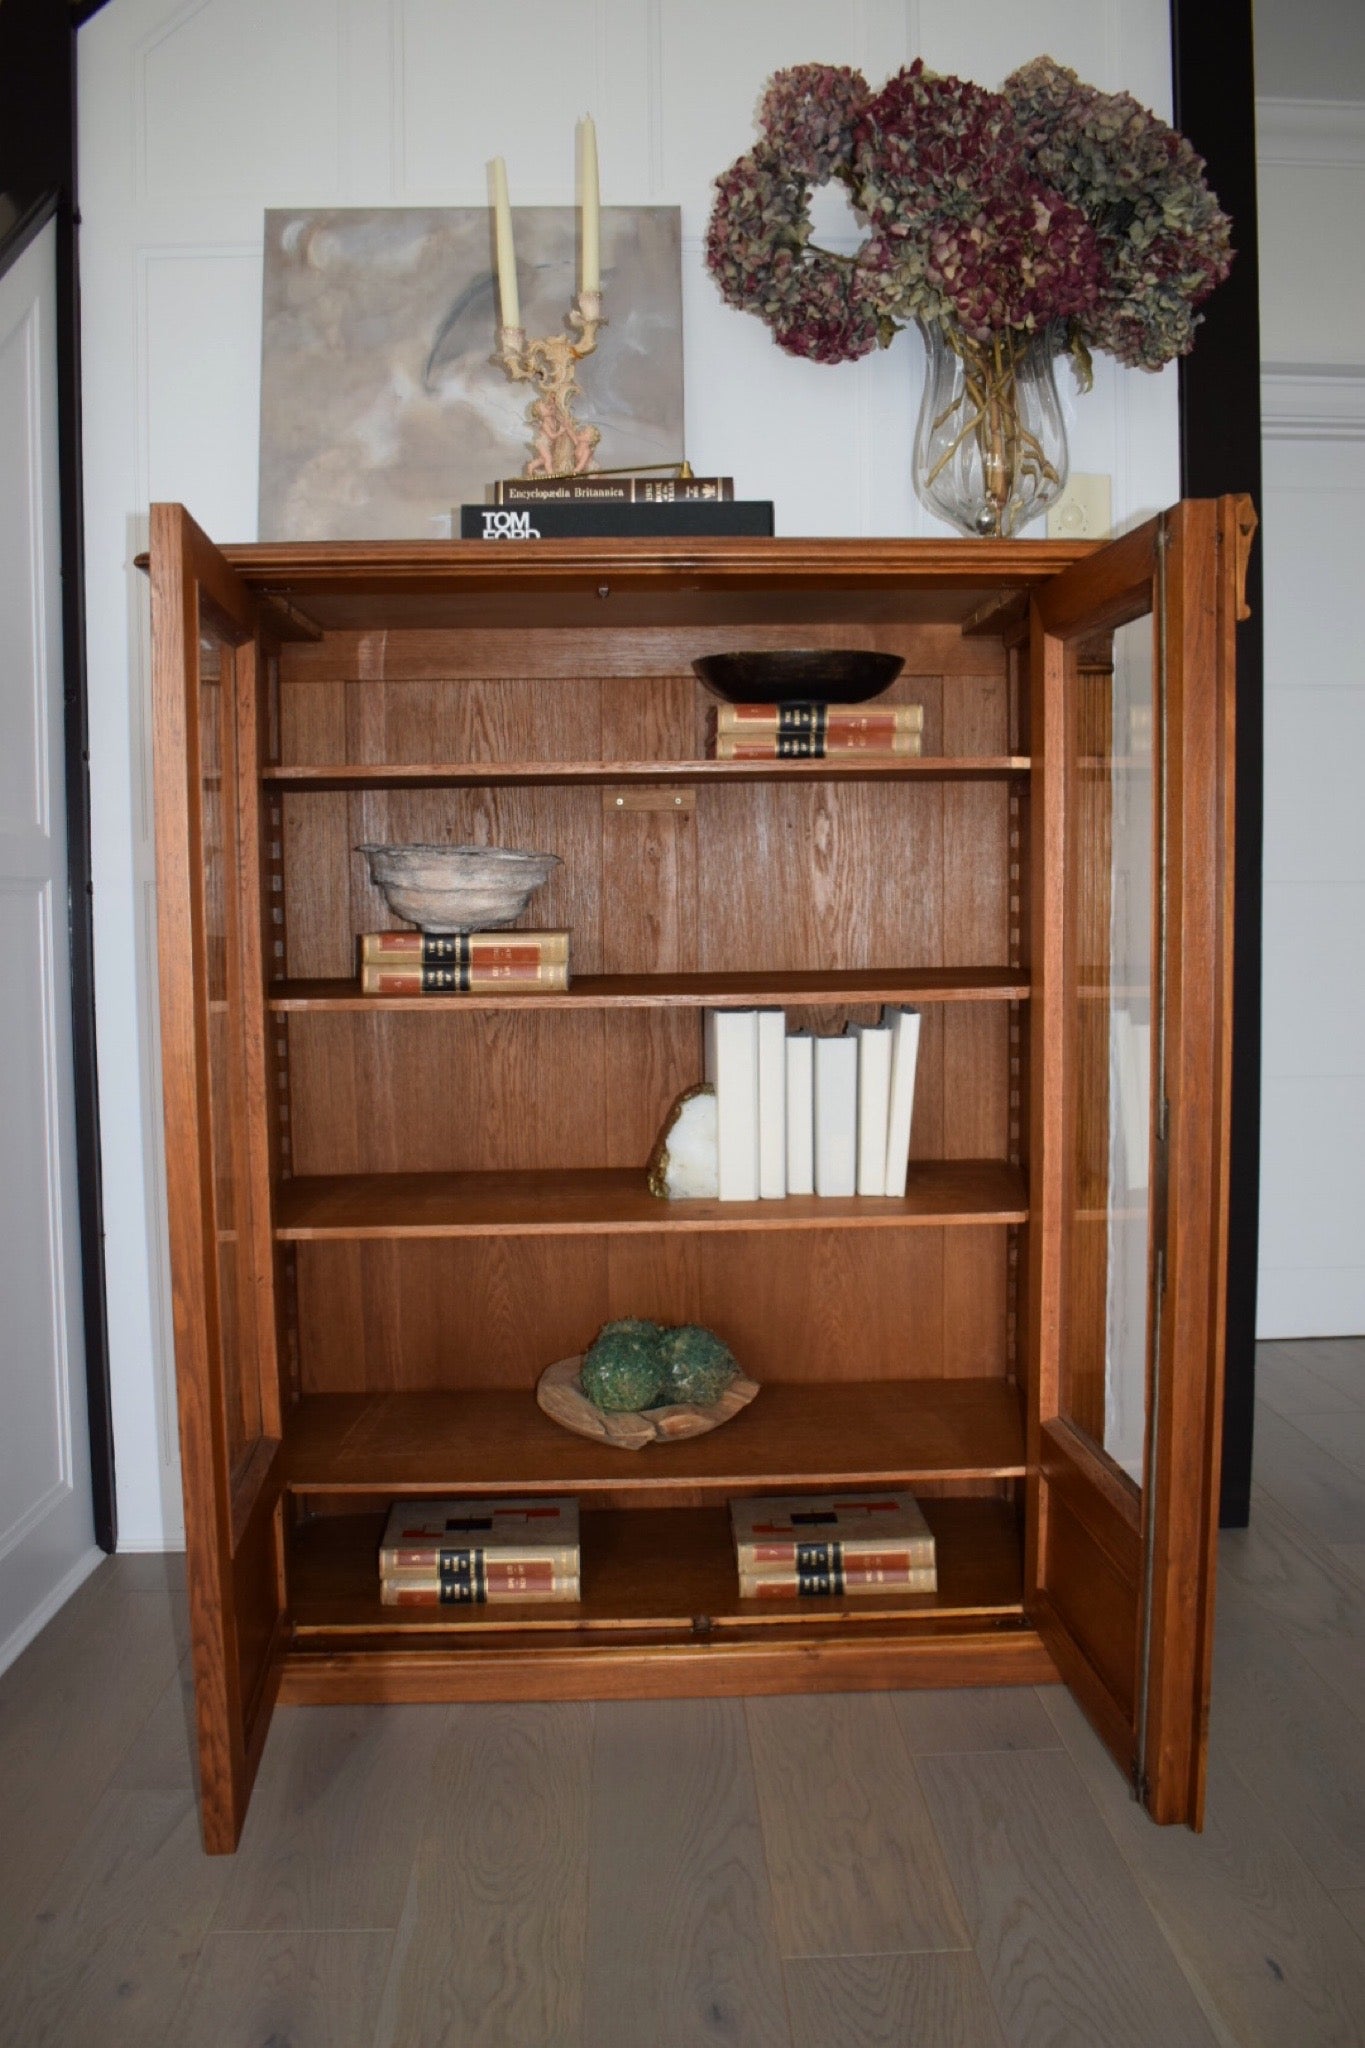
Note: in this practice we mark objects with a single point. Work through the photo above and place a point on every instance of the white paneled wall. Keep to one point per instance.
(1312, 1262)
(1311, 170)
(196, 116)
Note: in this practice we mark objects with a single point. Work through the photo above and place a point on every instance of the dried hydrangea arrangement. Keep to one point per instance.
(1010, 225)
(1048, 205)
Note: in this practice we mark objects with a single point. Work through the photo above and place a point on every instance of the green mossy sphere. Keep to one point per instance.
(697, 1365)
(624, 1367)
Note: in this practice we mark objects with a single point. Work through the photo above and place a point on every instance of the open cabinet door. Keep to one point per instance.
(1131, 707)
(207, 662)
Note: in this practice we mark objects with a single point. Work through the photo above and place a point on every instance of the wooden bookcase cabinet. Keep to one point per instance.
(387, 1215)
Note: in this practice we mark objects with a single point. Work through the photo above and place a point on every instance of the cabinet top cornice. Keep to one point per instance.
(714, 564)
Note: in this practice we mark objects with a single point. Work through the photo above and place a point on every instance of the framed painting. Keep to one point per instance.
(382, 405)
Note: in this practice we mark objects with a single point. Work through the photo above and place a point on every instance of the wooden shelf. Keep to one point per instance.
(792, 1437)
(668, 1569)
(610, 1200)
(593, 774)
(689, 991)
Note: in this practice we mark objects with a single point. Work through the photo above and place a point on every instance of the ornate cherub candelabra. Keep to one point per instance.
(563, 445)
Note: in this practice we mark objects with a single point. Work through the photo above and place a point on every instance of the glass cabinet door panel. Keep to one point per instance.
(1110, 939)
(1132, 688)
(218, 853)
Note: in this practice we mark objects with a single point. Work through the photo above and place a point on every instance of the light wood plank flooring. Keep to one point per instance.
(962, 1870)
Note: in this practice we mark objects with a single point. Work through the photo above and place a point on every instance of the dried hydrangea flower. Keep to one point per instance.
(758, 247)
(1045, 208)
(972, 234)
(809, 112)
(1164, 240)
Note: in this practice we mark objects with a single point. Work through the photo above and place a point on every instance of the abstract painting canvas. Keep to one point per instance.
(381, 404)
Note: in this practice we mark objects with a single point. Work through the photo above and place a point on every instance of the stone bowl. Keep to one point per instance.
(457, 888)
(779, 675)
(559, 1394)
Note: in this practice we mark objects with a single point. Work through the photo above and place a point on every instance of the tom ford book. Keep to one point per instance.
(588, 519)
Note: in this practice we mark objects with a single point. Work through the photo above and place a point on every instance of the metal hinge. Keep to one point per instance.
(1161, 1207)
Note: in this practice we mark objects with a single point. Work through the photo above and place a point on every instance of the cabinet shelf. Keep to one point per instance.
(331, 777)
(611, 1200)
(792, 1437)
(684, 991)
(651, 1568)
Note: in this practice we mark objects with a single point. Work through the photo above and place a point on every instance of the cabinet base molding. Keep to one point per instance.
(710, 1670)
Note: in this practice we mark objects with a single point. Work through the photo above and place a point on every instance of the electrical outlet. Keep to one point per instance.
(1082, 512)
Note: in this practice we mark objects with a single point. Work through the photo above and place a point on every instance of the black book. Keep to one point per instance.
(586, 520)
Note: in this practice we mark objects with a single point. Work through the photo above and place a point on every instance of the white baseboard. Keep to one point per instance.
(151, 1546)
(19, 1639)
(1314, 1301)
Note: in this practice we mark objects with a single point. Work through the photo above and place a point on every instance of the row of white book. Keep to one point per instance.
(798, 1113)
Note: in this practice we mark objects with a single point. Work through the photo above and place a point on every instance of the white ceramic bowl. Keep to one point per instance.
(457, 888)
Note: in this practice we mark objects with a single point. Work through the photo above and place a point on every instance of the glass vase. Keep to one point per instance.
(990, 445)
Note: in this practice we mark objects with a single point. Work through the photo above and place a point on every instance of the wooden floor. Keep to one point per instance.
(958, 1870)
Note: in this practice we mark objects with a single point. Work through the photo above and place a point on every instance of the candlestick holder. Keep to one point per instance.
(562, 445)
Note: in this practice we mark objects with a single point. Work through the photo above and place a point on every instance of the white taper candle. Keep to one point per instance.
(591, 278)
(506, 248)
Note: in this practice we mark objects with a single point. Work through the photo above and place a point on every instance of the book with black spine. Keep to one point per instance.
(464, 949)
(782, 1534)
(740, 519)
(886, 745)
(482, 1587)
(838, 1581)
(597, 487)
(803, 714)
(432, 1537)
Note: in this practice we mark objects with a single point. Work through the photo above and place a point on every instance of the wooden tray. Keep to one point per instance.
(559, 1393)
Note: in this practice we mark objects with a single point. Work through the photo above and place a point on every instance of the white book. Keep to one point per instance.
(732, 1070)
(836, 1116)
(904, 1060)
(800, 1114)
(874, 1105)
(772, 1104)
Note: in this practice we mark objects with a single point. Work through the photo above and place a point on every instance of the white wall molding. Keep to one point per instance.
(1312, 402)
(19, 1639)
(1310, 131)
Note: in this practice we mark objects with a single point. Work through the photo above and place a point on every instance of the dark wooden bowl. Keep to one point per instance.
(823, 675)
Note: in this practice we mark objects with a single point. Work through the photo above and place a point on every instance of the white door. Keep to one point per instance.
(46, 1523)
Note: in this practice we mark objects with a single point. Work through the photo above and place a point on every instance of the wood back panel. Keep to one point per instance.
(779, 876)
(424, 1315)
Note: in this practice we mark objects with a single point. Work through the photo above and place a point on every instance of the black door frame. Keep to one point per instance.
(1220, 450)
